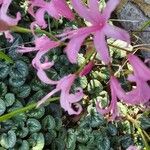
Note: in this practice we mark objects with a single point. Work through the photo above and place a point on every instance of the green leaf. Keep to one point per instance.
(23, 91)
(19, 69)
(58, 144)
(36, 141)
(36, 113)
(82, 135)
(3, 89)
(126, 141)
(48, 123)
(36, 85)
(48, 138)
(71, 140)
(33, 125)
(22, 131)
(8, 140)
(16, 82)
(5, 57)
(94, 87)
(112, 130)
(55, 110)
(145, 122)
(93, 120)
(101, 141)
(58, 122)
(22, 145)
(9, 99)
(4, 70)
(2, 107)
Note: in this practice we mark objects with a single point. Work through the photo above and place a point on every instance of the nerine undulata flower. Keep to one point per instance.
(6, 21)
(116, 93)
(99, 28)
(68, 101)
(138, 95)
(141, 74)
(43, 45)
(54, 8)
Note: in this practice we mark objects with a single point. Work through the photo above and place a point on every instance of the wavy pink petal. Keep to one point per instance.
(139, 95)
(110, 7)
(3, 14)
(73, 47)
(94, 9)
(112, 108)
(101, 46)
(44, 78)
(116, 33)
(63, 9)
(67, 99)
(139, 68)
(40, 18)
(82, 10)
(9, 36)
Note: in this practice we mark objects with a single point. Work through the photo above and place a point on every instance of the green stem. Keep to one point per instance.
(139, 130)
(88, 56)
(26, 30)
(24, 109)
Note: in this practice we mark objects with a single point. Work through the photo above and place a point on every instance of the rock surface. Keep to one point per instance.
(138, 12)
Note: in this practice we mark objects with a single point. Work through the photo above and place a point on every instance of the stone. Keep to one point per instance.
(138, 12)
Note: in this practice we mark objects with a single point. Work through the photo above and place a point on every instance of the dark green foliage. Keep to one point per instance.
(19, 69)
(94, 87)
(23, 91)
(126, 141)
(8, 140)
(16, 82)
(145, 122)
(2, 106)
(3, 89)
(4, 70)
(36, 113)
(36, 141)
(9, 99)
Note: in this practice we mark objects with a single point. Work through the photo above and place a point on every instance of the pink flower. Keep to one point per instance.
(116, 92)
(141, 94)
(42, 44)
(6, 21)
(132, 148)
(55, 8)
(67, 99)
(100, 28)
(86, 70)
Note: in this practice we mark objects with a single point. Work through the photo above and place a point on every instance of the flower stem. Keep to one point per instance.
(139, 130)
(26, 30)
(24, 109)
(88, 56)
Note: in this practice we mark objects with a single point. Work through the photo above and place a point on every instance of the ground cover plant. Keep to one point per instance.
(70, 78)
